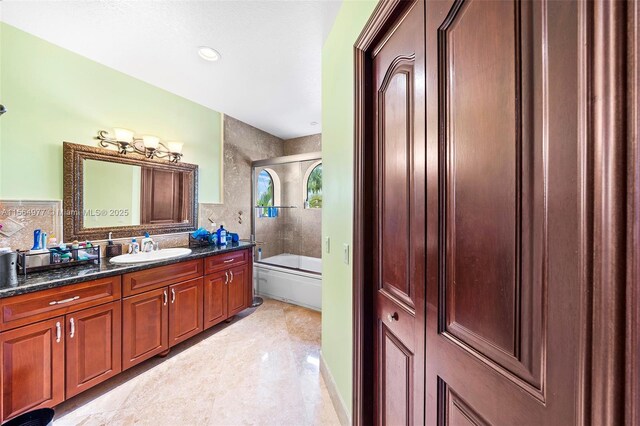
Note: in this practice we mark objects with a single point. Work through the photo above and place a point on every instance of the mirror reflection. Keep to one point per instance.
(116, 194)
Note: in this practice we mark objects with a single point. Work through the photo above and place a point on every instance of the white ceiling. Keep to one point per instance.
(270, 72)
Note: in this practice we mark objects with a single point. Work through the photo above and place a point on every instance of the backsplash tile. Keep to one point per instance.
(44, 215)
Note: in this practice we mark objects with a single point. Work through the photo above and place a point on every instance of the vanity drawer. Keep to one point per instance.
(45, 304)
(162, 276)
(224, 261)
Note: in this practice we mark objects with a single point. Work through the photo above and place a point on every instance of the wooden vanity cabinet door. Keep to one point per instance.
(238, 292)
(32, 367)
(185, 310)
(145, 326)
(93, 340)
(215, 298)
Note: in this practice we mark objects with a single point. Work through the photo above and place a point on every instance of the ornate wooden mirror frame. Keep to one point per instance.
(73, 219)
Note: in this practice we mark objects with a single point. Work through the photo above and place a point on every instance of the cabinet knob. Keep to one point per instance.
(73, 328)
(231, 272)
(393, 317)
(173, 295)
(226, 277)
(165, 297)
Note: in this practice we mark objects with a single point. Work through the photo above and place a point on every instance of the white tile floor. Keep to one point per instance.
(261, 369)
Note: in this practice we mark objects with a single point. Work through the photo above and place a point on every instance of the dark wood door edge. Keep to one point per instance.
(383, 18)
(632, 402)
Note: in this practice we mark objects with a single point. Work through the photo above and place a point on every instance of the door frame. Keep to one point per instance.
(384, 16)
(611, 182)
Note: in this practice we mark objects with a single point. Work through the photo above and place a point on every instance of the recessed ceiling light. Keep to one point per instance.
(208, 53)
(314, 123)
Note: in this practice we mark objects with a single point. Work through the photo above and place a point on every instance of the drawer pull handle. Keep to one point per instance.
(229, 261)
(60, 302)
(58, 332)
(165, 297)
(226, 277)
(73, 328)
(231, 272)
(173, 295)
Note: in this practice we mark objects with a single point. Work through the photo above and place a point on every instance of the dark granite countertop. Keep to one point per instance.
(77, 274)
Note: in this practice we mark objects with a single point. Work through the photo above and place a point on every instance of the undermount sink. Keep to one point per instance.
(152, 256)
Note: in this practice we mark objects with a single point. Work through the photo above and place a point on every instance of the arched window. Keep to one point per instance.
(265, 194)
(313, 186)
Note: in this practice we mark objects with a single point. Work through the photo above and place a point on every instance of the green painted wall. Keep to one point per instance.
(337, 209)
(122, 193)
(54, 95)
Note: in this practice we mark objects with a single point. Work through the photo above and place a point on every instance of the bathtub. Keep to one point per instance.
(290, 278)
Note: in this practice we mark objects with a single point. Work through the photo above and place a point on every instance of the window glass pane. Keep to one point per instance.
(314, 188)
(265, 189)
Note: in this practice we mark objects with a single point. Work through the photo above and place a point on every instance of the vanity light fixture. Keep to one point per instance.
(149, 146)
(208, 53)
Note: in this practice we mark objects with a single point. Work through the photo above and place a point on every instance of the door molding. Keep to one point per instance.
(383, 18)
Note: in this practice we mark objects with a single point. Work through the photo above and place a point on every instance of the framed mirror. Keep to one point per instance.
(127, 195)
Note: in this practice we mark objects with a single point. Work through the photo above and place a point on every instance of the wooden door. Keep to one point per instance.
(399, 258)
(215, 298)
(185, 310)
(504, 229)
(238, 293)
(145, 326)
(32, 367)
(162, 199)
(93, 347)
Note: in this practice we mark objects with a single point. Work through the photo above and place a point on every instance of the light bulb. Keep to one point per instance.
(175, 147)
(123, 135)
(151, 142)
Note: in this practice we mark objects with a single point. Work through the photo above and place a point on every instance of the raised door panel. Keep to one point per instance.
(145, 326)
(215, 298)
(32, 367)
(494, 187)
(506, 213)
(237, 290)
(94, 347)
(396, 387)
(185, 310)
(398, 258)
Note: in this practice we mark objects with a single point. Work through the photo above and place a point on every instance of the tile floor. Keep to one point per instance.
(261, 369)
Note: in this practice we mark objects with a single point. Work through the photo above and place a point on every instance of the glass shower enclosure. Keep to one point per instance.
(286, 226)
(287, 213)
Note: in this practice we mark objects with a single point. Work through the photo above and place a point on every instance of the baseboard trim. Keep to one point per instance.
(336, 399)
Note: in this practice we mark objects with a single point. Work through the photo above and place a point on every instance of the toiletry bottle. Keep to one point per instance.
(222, 236)
(37, 239)
(134, 248)
(44, 238)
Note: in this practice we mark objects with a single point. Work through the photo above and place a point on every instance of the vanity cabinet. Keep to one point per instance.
(185, 310)
(57, 343)
(215, 298)
(93, 347)
(145, 326)
(239, 290)
(227, 288)
(32, 367)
